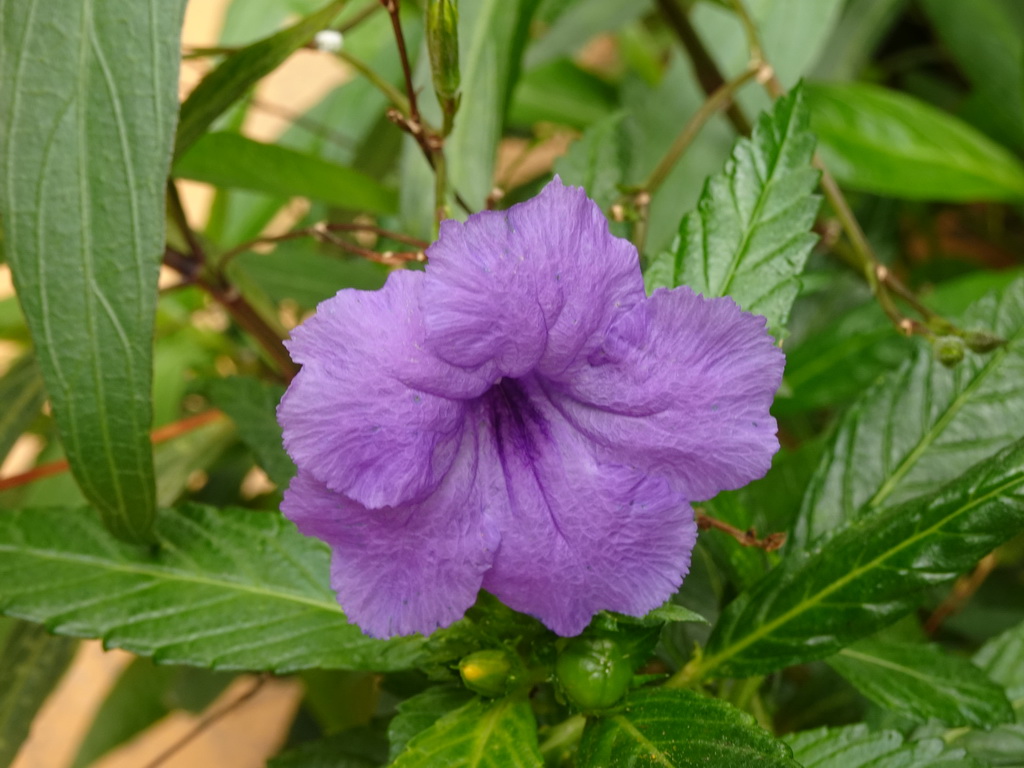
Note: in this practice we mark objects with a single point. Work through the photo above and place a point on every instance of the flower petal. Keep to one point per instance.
(402, 570)
(582, 532)
(363, 416)
(681, 386)
(525, 288)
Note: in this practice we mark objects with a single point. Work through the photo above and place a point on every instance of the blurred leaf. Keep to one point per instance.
(861, 28)
(578, 22)
(231, 589)
(678, 729)
(177, 460)
(355, 748)
(923, 681)
(305, 272)
(856, 747)
(598, 161)
(920, 426)
(491, 734)
(561, 92)
(232, 160)
(1002, 746)
(750, 235)
(889, 143)
(252, 405)
(987, 41)
(419, 712)
(871, 572)
(21, 392)
(32, 662)
(232, 79)
(491, 38)
(1002, 658)
(101, 88)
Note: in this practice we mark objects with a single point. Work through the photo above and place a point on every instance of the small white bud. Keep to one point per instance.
(329, 40)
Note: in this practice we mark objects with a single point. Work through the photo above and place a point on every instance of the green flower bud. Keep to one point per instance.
(489, 673)
(949, 350)
(594, 673)
(443, 43)
(982, 342)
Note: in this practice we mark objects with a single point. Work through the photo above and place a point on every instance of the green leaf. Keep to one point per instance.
(88, 109)
(32, 662)
(231, 160)
(889, 143)
(231, 589)
(561, 92)
(240, 71)
(598, 161)
(353, 748)
(856, 747)
(987, 42)
(750, 234)
(917, 428)
(21, 392)
(419, 712)
(862, 26)
(252, 405)
(1002, 658)
(498, 734)
(872, 571)
(678, 729)
(491, 38)
(922, 682)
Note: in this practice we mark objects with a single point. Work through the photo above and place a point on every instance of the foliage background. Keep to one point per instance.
(918, 109)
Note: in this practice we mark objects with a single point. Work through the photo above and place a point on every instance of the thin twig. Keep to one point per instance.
(704, 66)
(207, 722)
(395, 96)
(963, 590)
(748, 538)
(317, 231)
(391, 6)
(157, 436)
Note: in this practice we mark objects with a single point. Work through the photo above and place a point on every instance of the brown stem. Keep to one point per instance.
(708, 74)
(769, 543)
(207, 722)
(158, 435)
(318, 231)
(391, 6)
(963, 590)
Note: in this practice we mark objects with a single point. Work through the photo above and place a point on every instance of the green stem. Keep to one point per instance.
(394, 95)
(562, 739)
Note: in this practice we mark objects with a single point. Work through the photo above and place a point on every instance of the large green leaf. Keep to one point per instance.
(498, 734)
(857, 747)
(32, 662)
(922, 682)
(231, 160)
(491, 38)
(914, 430)
(21, 392)
(1002, 658)
(231, 589)
(750, 235)
(419, 712)
(679, 729)
(987, 41)
(872, 571)
(890, 143)
(251, 405)
(88, 109)
(240, 71)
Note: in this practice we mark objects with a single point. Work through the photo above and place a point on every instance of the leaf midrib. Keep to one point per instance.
(710, 662)
(167, 575)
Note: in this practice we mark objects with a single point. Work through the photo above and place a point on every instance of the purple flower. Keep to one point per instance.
(522, 418)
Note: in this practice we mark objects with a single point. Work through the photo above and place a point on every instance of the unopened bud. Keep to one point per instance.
(489, 673)
(982, 342)
(443, 43)
(949, 350)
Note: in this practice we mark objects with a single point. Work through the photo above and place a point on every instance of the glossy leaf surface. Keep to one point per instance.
(857, 747)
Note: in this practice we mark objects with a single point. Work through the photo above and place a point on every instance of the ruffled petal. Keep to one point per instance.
(365, 415)
(407, 569)
(581, 531)
(681, 386)
(524, 289)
